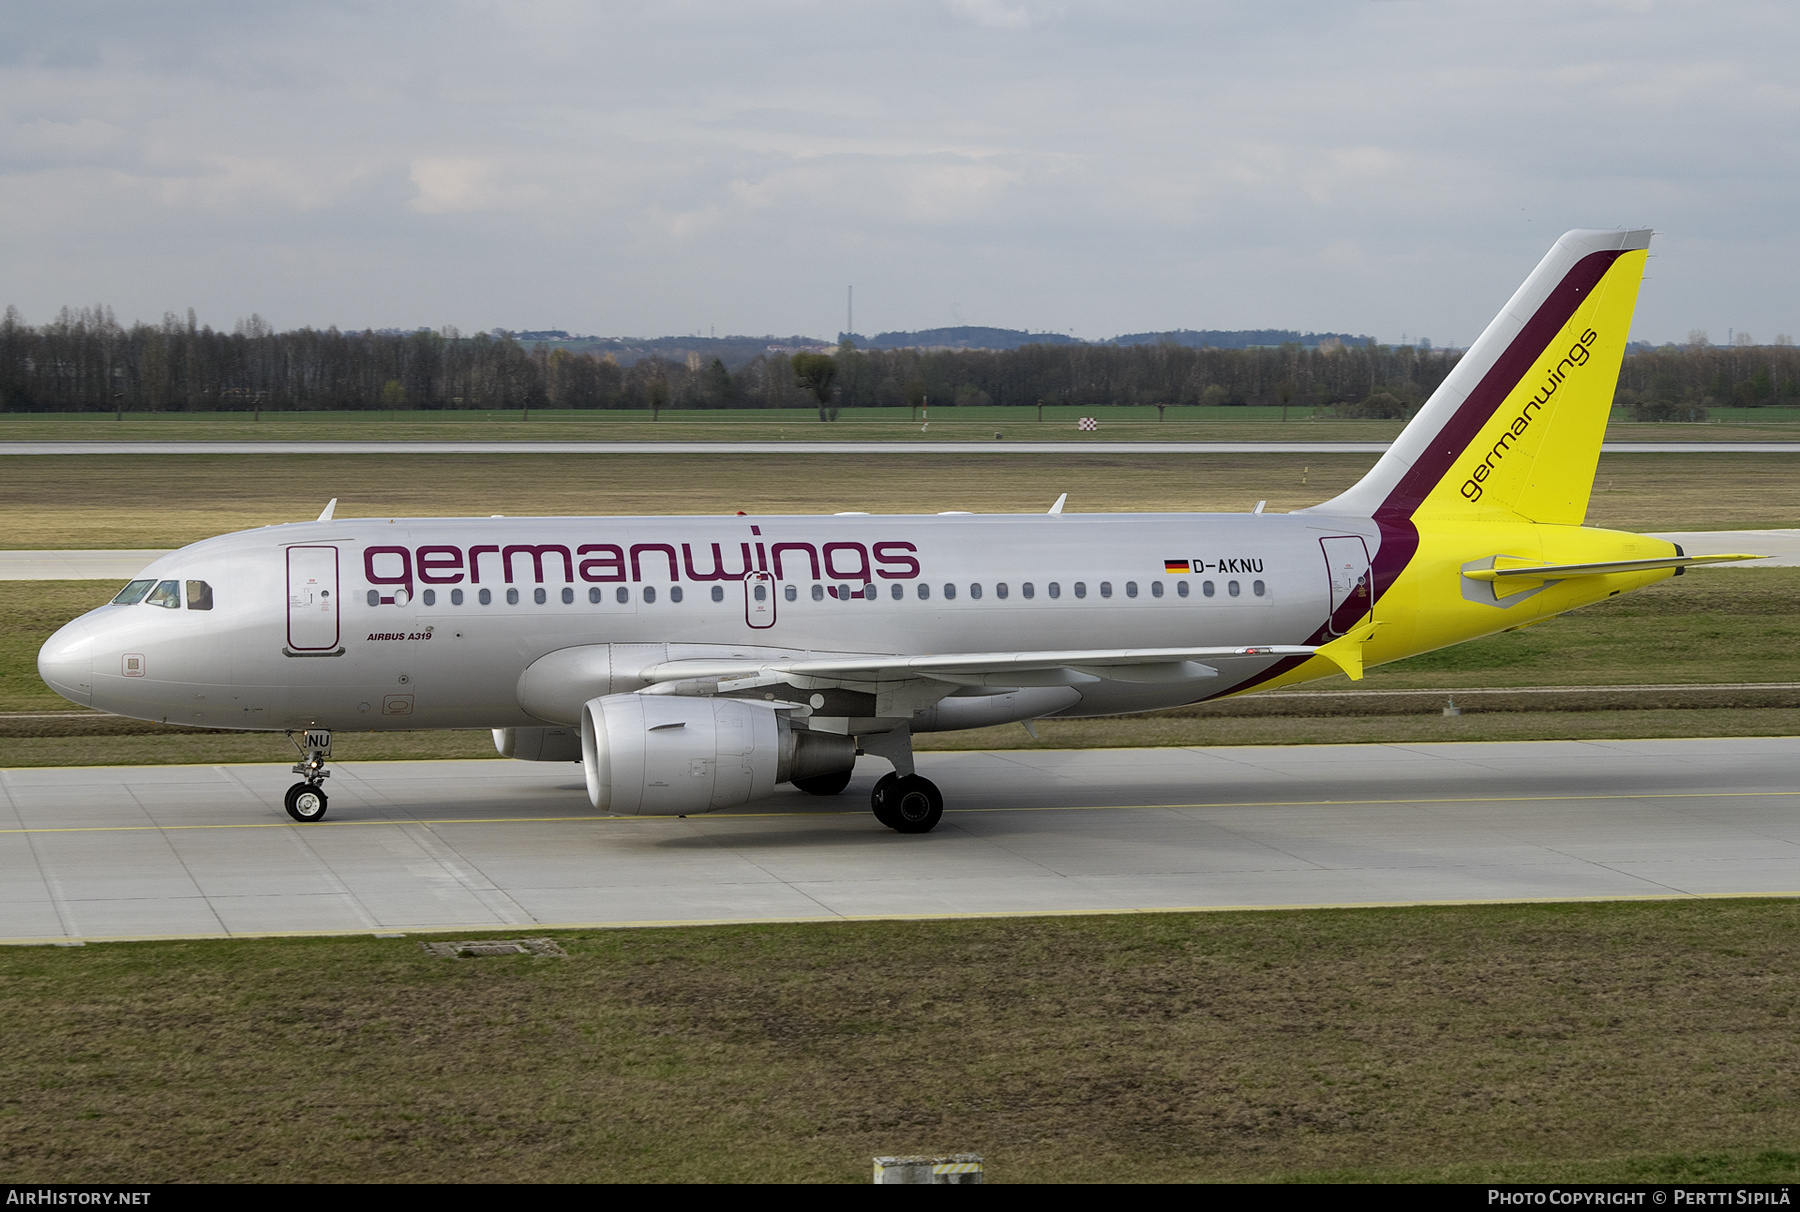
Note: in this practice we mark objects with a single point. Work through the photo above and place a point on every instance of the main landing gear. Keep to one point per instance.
(903, 801)
(907, 803)
(306, 801)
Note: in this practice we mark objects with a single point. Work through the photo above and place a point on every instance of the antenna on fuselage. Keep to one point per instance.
(330, 508)
(1057, 508)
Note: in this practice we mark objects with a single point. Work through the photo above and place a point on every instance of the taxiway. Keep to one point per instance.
(144, 852)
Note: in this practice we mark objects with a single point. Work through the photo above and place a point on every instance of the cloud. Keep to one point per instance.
(992, 13)
(1374, 167)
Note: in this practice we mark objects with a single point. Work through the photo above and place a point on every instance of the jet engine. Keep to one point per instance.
(671, 755)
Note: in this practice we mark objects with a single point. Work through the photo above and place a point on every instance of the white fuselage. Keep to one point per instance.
(429, 623)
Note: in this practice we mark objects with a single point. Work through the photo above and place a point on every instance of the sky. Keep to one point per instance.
(616, 169)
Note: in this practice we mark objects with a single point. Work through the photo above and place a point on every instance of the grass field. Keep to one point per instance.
(1117, 424)
(123, 501)
(1585, 1042)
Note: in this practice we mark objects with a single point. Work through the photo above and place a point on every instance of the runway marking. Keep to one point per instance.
(466, 929)
(751, 816)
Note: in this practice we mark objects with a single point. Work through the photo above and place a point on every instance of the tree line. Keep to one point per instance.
(83, 360)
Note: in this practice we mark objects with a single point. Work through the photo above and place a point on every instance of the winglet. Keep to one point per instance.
(330, 508)
(1346, 652)
(1057, 508)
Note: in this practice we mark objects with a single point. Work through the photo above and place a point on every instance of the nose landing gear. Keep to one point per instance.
(305, 801)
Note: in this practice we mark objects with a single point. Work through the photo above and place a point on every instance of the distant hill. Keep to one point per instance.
(965, 336)
(1247, 338)
(969, 336)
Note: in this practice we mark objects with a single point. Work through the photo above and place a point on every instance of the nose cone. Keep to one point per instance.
(66, 663)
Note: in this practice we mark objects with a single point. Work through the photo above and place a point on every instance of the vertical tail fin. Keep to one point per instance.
(1514, 431)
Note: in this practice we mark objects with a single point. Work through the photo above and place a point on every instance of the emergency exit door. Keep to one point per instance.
(1347, 565)
(759, 599)
(312, 589)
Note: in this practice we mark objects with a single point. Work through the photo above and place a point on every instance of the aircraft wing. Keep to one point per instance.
(901, 686)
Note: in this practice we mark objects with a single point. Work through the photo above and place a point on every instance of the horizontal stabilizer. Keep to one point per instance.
(1560, 572)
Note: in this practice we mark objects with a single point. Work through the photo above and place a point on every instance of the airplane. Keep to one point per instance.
(695, 663)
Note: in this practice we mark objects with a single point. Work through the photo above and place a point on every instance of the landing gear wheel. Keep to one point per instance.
(824, 784)
(912, 805)
(882, 799)
(305, 802)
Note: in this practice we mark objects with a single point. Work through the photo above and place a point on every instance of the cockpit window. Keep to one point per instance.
(133, 593)
(199, 595)
(166, 594)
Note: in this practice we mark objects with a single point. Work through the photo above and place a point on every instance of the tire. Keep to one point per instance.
(881, 799)
(824, 784)
(915, 805)
(305, 803)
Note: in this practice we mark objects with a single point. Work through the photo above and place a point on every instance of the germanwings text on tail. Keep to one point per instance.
(697, 663)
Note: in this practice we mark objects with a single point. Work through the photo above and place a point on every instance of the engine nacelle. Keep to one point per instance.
(539, 744)
(672, 755)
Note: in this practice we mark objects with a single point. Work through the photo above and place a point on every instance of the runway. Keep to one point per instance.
(959, 446)
(152, 852)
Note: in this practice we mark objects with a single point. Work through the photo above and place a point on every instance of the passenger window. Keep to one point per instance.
(374, 598)
(594, 595)
(949, 592)
(1081, 589)
(649, 594)
(1156, 589)
(792, 593)
(167, 594)
(1029, 590)
(718, 593)
(924, 591)
(512, 597)
(199, 595)
(1181, 588)
(1055, 589)
(430, 596)
(896, 591)
(1258, 588)
(485, 597)
(1000, 591)
(674, 593)
(539, 596)
(818, 592)
(1206, 587)
(623, 595)
(1231, 587)
(1106, 589)
(456, 597)
(975, 591)
(568, 596)
(1131, 589)
(133, 593)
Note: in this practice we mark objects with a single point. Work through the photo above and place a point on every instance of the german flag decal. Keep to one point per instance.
(1175, 566)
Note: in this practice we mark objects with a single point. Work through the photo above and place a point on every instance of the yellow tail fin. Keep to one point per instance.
(1514, 431)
